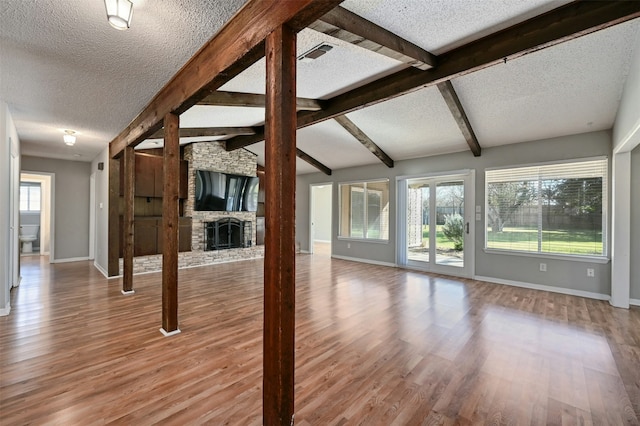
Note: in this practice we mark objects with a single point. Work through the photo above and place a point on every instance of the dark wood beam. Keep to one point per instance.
(113, 268)
(255, 100)
(170, 188)
(453, 102)
(239, 44)
(127, 220)
(315, 163)
(195, 132)
(280, 256)
(347, 26)
(557, 26)
(365, 140)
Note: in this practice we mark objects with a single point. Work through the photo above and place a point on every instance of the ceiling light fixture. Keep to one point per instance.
(315, 52)
(69, 137)
(119, 13)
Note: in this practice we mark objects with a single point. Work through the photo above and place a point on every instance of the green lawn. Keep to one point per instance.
(526, 239)
(564, 241)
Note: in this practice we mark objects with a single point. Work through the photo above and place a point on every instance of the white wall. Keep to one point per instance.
(635, 226)
(70, 204)
(102, 211)
(9, 208)
(564, 274)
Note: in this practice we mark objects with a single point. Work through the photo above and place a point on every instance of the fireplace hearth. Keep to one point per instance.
(227, 233)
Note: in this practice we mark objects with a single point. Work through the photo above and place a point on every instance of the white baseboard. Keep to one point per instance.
(70, 259)
(561, 290)
(5, 311)
(634, 302)
(99, 268)
(369, 261)
(305, 252)
(128, 292)
(170, 333)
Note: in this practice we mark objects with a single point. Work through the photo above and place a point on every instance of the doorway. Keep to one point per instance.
(45, 242)
(435, 228)
(320, 229)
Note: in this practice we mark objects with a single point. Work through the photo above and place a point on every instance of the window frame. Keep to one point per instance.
(364, 184)
(595, 258)
(29, 187)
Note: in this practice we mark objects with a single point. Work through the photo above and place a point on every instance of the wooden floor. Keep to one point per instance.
(374, 346)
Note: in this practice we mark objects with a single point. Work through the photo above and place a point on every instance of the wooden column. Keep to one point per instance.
(127, 226)
(171, 180)
(114, 218)
(279, 269)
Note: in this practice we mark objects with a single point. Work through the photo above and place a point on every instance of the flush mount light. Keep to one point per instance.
(119, 13)
(69, 137)
(315, 52)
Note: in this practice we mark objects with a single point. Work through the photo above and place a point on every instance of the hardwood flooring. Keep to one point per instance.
(374, 346)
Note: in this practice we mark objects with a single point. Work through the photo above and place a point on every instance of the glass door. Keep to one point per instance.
(435, 223)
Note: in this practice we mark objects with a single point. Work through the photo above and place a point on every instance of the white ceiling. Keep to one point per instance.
(75, 72)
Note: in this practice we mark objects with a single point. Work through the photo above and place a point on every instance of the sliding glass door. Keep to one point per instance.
(435, 223)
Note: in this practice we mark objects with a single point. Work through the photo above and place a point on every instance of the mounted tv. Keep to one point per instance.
(216, 191)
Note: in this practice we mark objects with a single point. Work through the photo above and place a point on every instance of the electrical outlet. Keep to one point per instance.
(348, 245)
(591, 272)
(543, 267)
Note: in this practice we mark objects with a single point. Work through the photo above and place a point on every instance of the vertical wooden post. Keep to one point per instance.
(171, 180)
(113, 251)
(127, 227)
(279, 269)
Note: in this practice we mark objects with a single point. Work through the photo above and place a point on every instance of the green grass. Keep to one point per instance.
(442, 242)
(564, 241)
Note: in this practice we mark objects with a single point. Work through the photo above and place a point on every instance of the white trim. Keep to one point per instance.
(449, 174)
(363, 240)
(322, 241)
(634, 302)
(5, 311)
(170, 333)
(92, 215)
(574, 258)
(305, 252)
(561, 290)
(627, 143)
(361, 260)
(70, 259)
(128, 292)
(620, 235)
(99, 268)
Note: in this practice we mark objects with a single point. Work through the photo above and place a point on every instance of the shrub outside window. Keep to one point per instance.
(364, 210)
(555, 208)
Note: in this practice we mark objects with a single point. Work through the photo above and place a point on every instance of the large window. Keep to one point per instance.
(29, 197)
(554, 208)
(364, 210)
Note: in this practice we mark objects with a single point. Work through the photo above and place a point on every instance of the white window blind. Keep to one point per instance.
(364, 210)
(551, 208)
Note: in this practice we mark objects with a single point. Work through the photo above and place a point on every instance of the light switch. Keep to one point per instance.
(478, 209)
(478, 217)
(100, 205)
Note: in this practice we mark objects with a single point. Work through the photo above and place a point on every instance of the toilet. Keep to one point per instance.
(28, 234)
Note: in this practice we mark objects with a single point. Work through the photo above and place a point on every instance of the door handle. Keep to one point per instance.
(467, 226)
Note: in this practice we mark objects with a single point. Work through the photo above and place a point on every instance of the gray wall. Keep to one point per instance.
(560, 273)
(102, 213)
(71, 204)
(635, 223)
(322, 213)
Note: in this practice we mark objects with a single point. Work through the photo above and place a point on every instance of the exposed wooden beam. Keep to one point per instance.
(238, 99)
(114, 218)
(453, 102)
(127, 220)
(170, 189)
(557, 26)
(195, 132)
(280, 256)
(347, 26)
(235, 47)
(365, 140)
(315, 163)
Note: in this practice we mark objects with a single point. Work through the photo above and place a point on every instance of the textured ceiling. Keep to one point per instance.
(64, 67)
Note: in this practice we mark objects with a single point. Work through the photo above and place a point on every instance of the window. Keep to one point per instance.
(555, 208)
(29, 197)
(364, 210)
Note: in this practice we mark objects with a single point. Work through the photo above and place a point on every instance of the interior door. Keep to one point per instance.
(435, 223)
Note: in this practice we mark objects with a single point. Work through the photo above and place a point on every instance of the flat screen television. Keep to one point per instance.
(217, 191)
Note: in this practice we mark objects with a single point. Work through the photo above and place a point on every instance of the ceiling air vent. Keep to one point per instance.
(315, 52)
